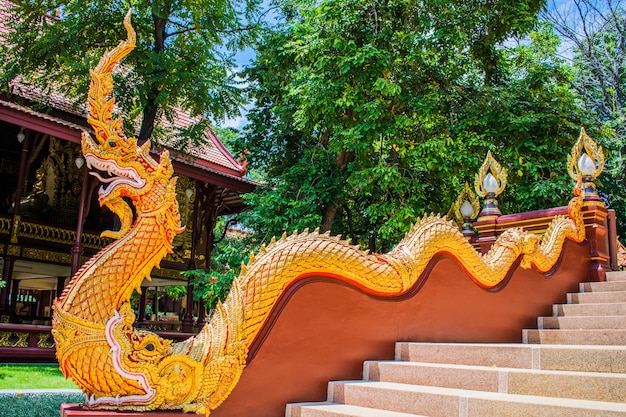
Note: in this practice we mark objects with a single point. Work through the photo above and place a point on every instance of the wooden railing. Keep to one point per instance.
(28, 342)
(20, 342)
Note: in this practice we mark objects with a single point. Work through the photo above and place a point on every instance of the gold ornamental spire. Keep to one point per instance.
(585, 163)
(466, 207)
(585, 152)
(489, 182)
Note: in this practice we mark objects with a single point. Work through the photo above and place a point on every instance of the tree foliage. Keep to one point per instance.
(370, 113)
(595, 33)
(232, 249)
(183, 56)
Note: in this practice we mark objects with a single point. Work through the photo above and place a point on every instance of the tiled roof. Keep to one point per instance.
(210, 154)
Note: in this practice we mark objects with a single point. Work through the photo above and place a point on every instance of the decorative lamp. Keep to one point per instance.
(467, 207)
(586, 165)
(79, 161)
(586, 162)
(188, 193)
(21, 136)
(489, 182)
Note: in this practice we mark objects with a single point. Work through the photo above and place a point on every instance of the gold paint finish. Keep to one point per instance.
(591, 148)
(470, 196)
(13, 339)
(45, 341)
(490, 166)
(120, 367)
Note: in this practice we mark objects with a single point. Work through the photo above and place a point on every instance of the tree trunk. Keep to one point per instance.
(151, 110)
(328, 215)
(329, 210)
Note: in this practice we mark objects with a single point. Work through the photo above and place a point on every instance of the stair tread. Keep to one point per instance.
(584, 316)
(518, 345)
(597, 386)
(352, 410)
(563, 331)
(465, 393)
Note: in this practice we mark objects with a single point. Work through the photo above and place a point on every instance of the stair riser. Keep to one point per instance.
(597, 297)
(588, 386)
(601, 309)
(399, 401)
(480, 408)
(575, 337)
(554, 357)
(616, 276)
(337, 410)
(599, 322)
(503, 356)
(602, 286)
(474, 404)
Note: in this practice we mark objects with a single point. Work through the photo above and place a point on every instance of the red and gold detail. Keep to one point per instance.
(122, 368)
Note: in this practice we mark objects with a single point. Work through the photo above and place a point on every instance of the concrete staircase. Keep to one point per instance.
(573, 365)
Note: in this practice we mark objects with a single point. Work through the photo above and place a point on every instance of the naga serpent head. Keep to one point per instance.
(126, 169)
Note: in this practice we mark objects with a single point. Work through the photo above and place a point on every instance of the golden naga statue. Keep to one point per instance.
(123, 368)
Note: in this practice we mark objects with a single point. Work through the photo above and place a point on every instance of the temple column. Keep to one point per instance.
(187, 324)
(210, 239)
(142, 305)
(21, 176)
(155, 304)
(15, 288)
(5, 293)
(77, 248)
(9, 294)
(60, 286)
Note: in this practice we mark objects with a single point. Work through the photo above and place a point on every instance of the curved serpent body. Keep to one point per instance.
(120, 367)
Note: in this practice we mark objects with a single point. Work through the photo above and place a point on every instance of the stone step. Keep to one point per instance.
(616, 276)
(575, 337)
(515, 355)
(582, 322)
(593, 386)
(448, 402)
(597, 297)
(605, 286)
(328, 409)
(596, 309)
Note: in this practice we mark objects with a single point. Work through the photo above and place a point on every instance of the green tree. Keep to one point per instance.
(370, 113)
(595, 32)
(232, 248)
(183, 58)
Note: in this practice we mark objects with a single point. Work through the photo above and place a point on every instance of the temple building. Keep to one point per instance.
(50, 219)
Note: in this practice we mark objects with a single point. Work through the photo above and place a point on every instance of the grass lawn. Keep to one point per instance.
(36, 404)
(31, 376)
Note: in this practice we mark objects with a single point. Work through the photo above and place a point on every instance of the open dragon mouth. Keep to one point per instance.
(112, 174)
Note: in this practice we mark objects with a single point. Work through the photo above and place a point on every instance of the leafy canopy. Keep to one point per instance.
(369, 114)
(183, 58)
